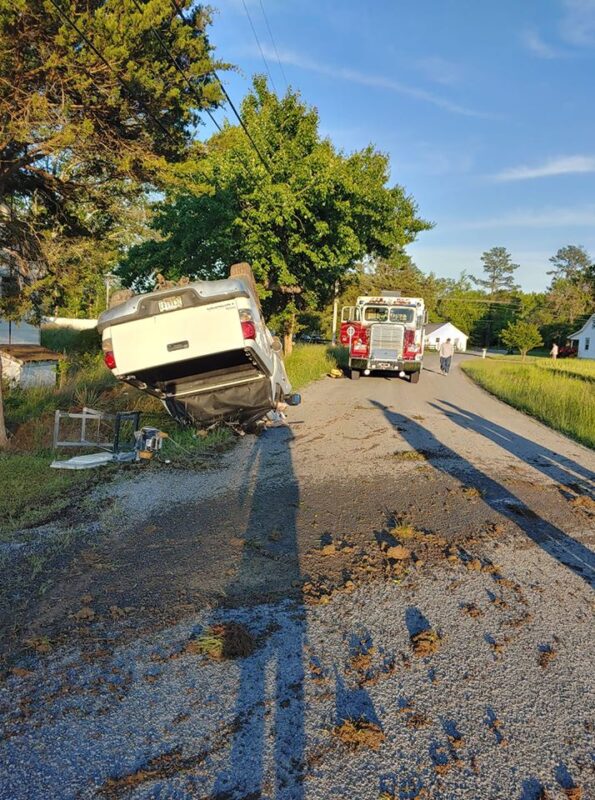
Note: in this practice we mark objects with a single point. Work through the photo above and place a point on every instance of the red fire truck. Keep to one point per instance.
(385, 333)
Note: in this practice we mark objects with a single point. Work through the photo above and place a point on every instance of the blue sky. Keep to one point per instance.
(486, 108)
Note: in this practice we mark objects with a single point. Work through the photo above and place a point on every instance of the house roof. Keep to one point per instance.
(584, 328)
(435, 326)
(26, 353)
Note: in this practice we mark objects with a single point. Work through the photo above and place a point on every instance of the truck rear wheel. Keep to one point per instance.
(415, 376)
(354, 374)
(243, 270)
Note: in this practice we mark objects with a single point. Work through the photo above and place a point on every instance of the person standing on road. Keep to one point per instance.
(446, 351)
(554, 351)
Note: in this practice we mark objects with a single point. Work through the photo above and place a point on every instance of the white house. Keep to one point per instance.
(27, 365)
(584, 340)
(438, 332)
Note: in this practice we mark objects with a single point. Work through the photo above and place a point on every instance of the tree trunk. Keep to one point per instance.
(287, 343)
(3, 436)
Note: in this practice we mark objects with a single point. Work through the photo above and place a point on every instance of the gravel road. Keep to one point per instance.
(402, 586)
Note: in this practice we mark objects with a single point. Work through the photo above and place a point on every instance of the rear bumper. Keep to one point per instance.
(385, 366)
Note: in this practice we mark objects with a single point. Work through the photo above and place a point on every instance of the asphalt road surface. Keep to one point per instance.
(401, 582)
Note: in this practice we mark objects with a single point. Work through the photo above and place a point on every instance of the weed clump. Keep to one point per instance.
(356, 733)
(425, 642)
(226, 640)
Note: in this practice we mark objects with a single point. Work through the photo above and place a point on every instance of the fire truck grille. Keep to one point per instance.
(386, 342)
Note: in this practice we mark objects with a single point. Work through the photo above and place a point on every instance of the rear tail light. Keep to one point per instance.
(248, 330)
(108, 354)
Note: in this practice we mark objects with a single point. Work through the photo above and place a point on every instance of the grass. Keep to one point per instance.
(560, 398)
(310, 362)
(31, 492)
(584, 368)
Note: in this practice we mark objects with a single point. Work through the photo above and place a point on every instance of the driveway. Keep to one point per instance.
(405, 579)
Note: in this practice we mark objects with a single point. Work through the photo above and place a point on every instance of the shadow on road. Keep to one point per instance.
(551, 539)
(554, 465)
(270, 702)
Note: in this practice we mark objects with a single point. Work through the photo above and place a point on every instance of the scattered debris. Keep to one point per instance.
(85, 614)
(472, 610)
(425, 642)
(409, 455)
(547, 653)
(398, 553)
(226, 640)
(356, 733)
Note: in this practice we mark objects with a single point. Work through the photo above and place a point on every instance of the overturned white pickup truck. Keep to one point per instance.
(203, 349)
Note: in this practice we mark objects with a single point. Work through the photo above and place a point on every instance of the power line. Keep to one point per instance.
(176, 64)
(266, 19)
(259, 45)
(118, 77)
(228, 98)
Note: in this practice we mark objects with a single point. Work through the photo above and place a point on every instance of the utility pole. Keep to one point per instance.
(335, 313)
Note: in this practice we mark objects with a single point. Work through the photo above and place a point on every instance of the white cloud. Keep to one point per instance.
(578, 24)
(564, 165)
(583, 217)
(533, 42)
(376, 81)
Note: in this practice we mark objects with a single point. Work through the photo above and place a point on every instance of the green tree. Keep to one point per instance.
(499, 271)
(522, 336)
(303, 221)
(572, 263)
(499, 283)
(572, 291)
(93, 111)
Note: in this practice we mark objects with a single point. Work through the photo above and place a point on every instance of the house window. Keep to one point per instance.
(437, 340)
(587, 342)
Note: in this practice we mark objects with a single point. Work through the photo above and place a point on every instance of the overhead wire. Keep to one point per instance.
(176, 64)
(266, 19)
(229, 100)
(266, 64)
(118, 77)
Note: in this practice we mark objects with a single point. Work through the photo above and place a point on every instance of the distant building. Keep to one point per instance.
(584, 340)
(27, 365)
(438, 332)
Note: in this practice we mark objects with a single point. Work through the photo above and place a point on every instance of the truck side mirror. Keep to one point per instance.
(276, 345)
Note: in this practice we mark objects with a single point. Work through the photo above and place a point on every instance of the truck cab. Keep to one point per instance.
(385, 333)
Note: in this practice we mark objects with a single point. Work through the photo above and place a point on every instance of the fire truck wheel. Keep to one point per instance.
(415, 376)
(354, 374)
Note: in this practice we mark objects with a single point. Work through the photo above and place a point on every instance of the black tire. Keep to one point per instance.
(243, 270)
(414, 376)
(354, 374)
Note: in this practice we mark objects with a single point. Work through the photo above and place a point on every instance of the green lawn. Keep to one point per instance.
(560, 394)
(32, 493)
(310, 362)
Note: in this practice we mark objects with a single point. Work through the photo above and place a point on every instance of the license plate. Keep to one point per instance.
(170, 303)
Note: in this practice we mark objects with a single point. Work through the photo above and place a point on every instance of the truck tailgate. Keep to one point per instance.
(178, 335)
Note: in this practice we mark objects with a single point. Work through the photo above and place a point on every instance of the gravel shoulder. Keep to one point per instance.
(414, 566)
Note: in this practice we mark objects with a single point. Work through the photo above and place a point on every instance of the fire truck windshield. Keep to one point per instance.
(386, 314)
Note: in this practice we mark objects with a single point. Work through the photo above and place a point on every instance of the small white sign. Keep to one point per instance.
(350, 330)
